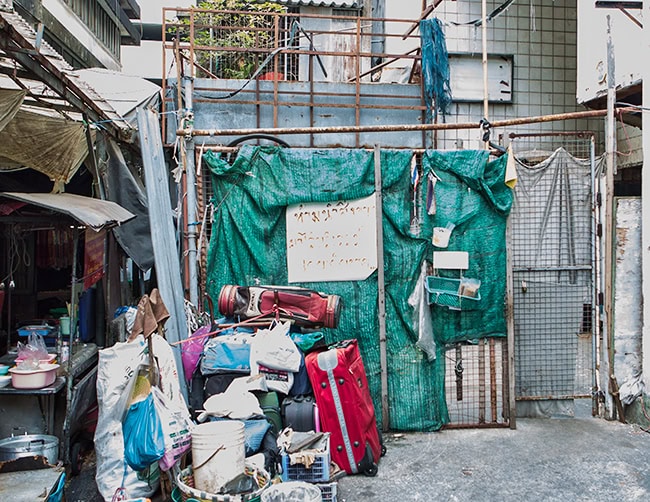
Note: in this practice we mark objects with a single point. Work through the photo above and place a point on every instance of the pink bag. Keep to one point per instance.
(192, 350)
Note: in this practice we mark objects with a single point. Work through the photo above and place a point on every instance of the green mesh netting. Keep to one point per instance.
(471, 194)
(248, 246)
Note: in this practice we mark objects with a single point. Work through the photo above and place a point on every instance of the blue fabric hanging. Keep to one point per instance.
(435, 68)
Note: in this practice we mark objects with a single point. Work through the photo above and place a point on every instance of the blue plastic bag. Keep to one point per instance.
(144, 440)
(227, 353)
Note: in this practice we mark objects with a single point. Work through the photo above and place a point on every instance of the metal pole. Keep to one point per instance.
(610, 140)
(400, 127)
(73, 322)
(484, 59)
(510, 327)
(381, 285)
(645, 220)
(595, 316)
(190, 177)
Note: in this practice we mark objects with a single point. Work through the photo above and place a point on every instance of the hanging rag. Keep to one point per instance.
(435, 68)
(151, 312)
(511, 170)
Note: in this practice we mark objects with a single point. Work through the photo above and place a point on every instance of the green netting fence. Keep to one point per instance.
(248, 247)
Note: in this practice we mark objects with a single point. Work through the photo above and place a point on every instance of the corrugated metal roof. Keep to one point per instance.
(61, 78)
(320, 3)
(94, 213)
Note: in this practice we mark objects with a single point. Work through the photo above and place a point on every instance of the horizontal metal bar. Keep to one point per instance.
(392, 128)
(552, 398)
(488, 425)
(302, 15)
(298, 52)
(552, 269)
(314, 105)
(316, 94)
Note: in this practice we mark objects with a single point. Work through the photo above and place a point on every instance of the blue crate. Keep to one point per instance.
(446, 292)
(318, 472)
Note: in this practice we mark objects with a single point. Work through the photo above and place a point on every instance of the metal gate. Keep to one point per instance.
(553, 261)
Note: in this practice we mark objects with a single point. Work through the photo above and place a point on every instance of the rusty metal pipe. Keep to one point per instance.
(398, 127)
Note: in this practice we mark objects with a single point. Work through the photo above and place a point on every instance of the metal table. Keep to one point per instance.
(80, 392)
(46, 399)
(29, 486)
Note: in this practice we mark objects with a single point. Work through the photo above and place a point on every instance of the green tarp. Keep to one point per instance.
(248, 247)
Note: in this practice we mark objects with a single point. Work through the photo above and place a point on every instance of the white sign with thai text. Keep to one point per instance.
(333, 241)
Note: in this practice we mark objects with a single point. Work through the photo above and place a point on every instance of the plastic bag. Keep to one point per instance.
(192, 350)
(422, 323)
(144, 441)
(176, 426)
(227, 353)
(31, 354)
(117, 367)
(274, 348)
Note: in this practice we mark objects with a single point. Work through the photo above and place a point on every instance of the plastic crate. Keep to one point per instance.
(318, 472)
(328, 491)
(445, 292)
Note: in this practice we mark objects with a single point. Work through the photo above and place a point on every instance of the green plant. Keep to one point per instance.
(231, 24)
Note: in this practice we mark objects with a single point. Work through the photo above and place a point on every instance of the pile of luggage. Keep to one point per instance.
(317, 418)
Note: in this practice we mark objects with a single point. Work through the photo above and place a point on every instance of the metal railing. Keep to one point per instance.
(247, 47)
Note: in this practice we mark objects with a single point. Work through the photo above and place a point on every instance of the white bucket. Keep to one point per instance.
(292, 491)
(441, 237)
(218, 454)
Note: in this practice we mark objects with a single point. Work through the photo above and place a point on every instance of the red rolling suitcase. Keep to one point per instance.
(345, 407)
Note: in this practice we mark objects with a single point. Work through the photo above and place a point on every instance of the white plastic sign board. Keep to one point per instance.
(333, 241)
(451, 260)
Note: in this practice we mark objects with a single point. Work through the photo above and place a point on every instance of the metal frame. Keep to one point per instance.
(587, 145)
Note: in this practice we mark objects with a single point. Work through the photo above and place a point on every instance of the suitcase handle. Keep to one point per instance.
(343, 344)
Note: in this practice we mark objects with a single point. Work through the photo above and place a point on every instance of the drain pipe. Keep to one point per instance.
(190, 182)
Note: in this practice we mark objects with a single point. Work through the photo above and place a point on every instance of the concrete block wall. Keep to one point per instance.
(541, 35)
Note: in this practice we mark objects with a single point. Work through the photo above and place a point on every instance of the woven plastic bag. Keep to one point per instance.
(177, 429)
(144, 440)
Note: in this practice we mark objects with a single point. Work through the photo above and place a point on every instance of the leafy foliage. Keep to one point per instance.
(232, 24)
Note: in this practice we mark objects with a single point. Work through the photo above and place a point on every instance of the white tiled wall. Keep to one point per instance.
(541, 34)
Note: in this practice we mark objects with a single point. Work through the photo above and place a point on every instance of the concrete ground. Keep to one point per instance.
(581, 459)
(542, 460)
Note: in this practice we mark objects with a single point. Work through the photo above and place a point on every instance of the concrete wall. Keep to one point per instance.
(541, 36)
(628, 310)
(210, 113)
(592, 49)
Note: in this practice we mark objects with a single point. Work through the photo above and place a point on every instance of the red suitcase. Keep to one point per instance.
(345, 407)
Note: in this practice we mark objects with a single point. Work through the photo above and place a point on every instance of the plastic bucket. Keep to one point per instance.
(441, 237)
(218, 454)
(292, 491)
(64, 325)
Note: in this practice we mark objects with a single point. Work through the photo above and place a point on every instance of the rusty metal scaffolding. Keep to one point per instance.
(479, 387)
(279, 46)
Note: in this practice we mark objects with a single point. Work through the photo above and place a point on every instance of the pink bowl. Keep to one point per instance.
(33, 379)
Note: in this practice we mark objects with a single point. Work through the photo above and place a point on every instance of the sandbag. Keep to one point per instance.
(176, 426)
(115, 370)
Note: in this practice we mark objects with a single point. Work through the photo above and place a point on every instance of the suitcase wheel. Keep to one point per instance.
(383, 450)
(371, 471)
